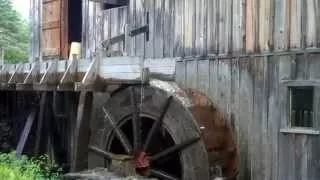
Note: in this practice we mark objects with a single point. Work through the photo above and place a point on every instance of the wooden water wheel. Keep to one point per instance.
(152, 130)
(156, 129)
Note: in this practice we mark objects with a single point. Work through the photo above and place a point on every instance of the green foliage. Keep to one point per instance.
(24, 168)
(14, 34)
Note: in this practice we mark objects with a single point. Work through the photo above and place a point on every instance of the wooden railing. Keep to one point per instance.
(83, 75)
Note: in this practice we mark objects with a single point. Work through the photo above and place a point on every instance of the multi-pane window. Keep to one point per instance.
(301, 106)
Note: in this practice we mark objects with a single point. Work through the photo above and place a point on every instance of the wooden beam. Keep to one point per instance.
(49, 73)
(16, 76)
(69, 77)
(25, 134)
(140, 30)
(43, 102)
(31, 77)
(84, 75)
(116, 39)
(49, 80)
(82, 133)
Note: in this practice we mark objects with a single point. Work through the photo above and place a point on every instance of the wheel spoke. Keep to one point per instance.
(157, 124)
(99, 151)
(119, 133)
(173, 149)
(162, 175)
(136, 124)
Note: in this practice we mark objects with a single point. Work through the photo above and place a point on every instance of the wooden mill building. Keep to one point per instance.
(255, 60)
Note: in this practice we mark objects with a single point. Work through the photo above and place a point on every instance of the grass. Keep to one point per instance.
(24, 168)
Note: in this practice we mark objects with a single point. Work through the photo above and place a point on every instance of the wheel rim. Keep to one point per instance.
(147, 141)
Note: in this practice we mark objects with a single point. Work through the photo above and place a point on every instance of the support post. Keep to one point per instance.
(25, 134)
(43, 102)
(82, 133)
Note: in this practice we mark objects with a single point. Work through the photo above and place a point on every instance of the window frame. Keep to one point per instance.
(285, 98)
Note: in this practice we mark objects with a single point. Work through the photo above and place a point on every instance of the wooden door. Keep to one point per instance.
(55, 28)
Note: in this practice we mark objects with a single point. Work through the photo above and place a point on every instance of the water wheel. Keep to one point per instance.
(154, 128)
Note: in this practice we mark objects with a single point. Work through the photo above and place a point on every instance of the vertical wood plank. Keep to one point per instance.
(201, 27)
(181, 74)
(189, 9)
(192, 74)
(259, 123)
(193, 25)
(25, 133)
(149, 47)
(91, 24)
(159, 42)
(311, 23)
(107, 24)
(314, 65)
(314, 144)
(224, 87)
(251, 20)
(179, 28)
(295, 24)
(114, 26)
(82, 133)
(302, 67)
(285, 145)
(237, 16)
(212, 24)
(281, 25)
(84, 38)
(228, 27)
(168, 28)
(235, 116)
(222, 26)
(43, 103)
(71, 109)
(245, 115)
(131, 48)
(213, 80)
(317, 6)
(36, 14)
(265, 18)
(123, 21)
(98, 26)
(203, 76)
(140, 21)
(273, 117)
(266, 151)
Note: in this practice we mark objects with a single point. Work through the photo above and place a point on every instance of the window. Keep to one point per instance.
(301, 106)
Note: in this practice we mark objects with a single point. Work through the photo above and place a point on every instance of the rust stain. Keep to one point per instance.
(216, 132)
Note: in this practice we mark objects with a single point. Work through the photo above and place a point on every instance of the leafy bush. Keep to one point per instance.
(24, 168)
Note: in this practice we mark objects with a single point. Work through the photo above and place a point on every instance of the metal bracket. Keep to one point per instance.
(140, 30)
(107, 43)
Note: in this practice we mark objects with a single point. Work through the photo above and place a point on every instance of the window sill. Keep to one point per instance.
(307, 131)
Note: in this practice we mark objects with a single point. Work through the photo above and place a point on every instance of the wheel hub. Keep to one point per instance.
(142, 162)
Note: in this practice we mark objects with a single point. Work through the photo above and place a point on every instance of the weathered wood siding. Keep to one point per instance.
(249, 91)
(201, 27)
(35, 29)
(100, 25)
